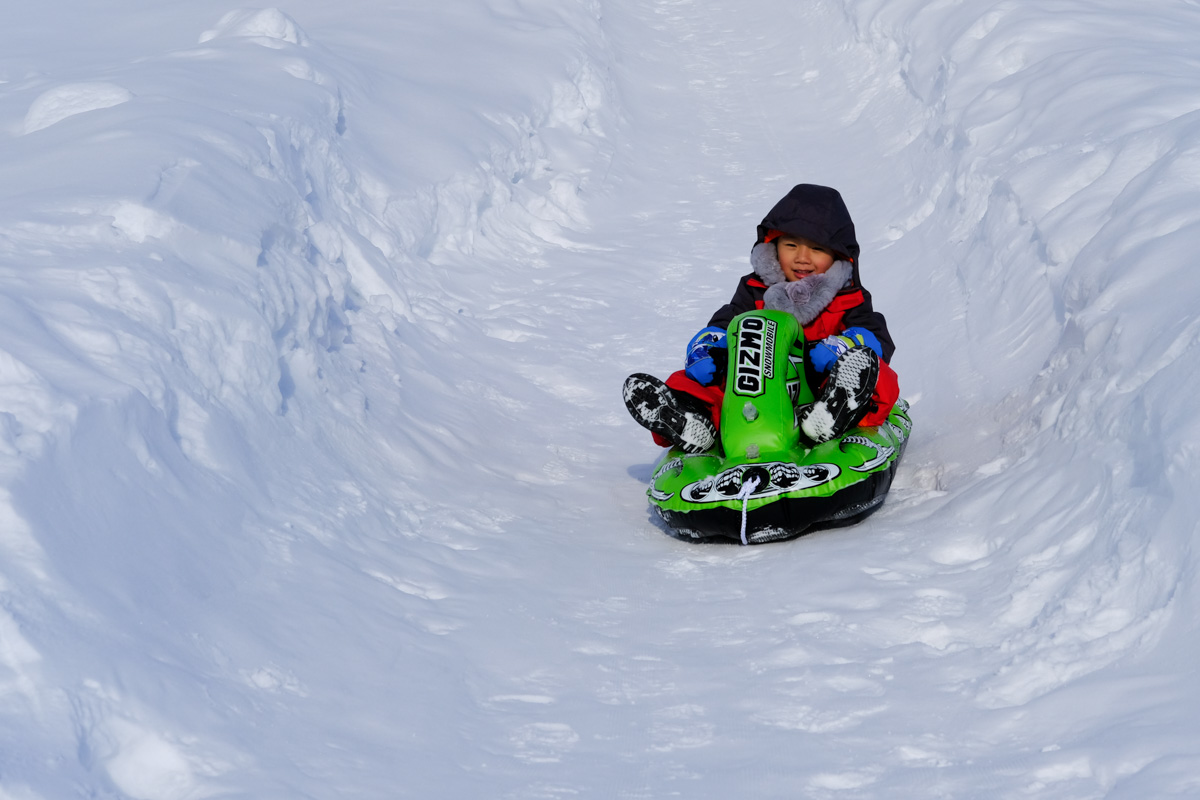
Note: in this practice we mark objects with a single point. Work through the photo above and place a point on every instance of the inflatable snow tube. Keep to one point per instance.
(763, 484)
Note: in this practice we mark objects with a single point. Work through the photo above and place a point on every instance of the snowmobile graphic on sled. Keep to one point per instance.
(762, 482)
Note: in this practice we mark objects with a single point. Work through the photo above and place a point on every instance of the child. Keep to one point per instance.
(805, 262)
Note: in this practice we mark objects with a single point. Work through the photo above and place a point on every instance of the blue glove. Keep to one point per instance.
(826, 351)
(864, 336)
(700, 365)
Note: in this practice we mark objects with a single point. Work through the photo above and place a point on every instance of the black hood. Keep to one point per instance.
(817, 213)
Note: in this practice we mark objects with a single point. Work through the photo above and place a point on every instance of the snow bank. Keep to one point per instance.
(1054, 151)
(1054, 147)
(70, 99)
(223, 311)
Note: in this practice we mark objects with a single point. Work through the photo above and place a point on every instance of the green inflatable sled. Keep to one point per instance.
(762, 483)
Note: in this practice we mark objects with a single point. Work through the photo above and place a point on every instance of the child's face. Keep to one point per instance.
(802, 257)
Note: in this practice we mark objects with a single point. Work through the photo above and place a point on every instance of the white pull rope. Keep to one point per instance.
(744, 495)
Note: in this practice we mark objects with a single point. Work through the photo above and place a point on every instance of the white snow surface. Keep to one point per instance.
(316, 478)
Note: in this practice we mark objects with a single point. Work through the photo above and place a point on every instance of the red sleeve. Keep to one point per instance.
(887, 392)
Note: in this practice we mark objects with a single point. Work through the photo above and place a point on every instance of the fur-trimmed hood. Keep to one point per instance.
(806, 298)
(817, 213)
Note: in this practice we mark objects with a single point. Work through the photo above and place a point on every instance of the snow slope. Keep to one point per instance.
(316, 479)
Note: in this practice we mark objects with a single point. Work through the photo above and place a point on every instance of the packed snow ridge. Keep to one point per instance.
(316, 476)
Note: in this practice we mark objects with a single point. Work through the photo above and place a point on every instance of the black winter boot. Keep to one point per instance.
(846, 397)
(670, 414)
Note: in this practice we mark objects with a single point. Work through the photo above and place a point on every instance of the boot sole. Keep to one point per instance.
(844, 402)
(652, 404)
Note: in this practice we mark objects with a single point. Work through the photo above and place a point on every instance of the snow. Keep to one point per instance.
(316, 477)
